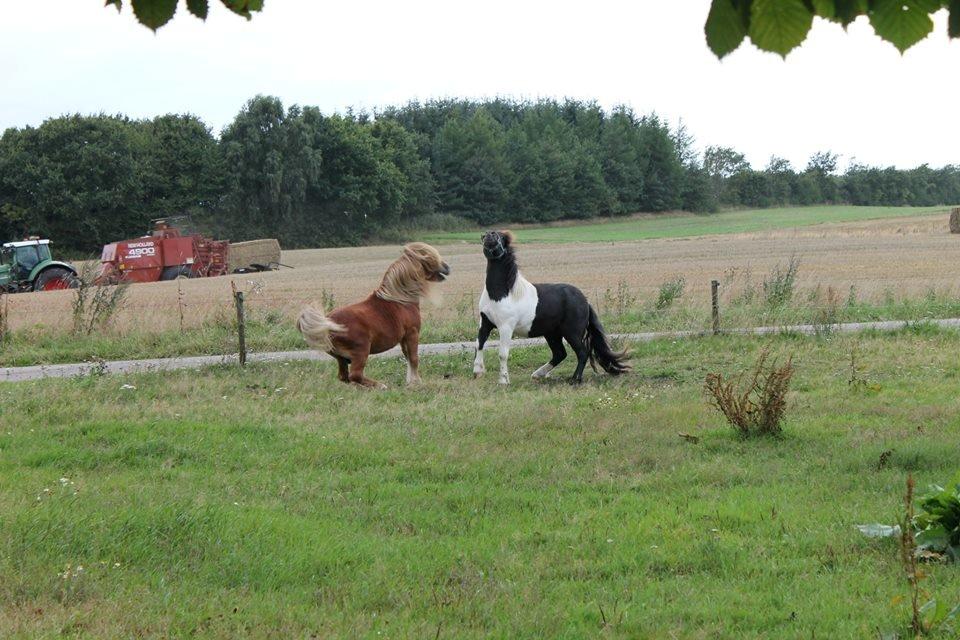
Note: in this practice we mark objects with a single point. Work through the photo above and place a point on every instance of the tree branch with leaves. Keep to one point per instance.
(156, 13)
(779, 26)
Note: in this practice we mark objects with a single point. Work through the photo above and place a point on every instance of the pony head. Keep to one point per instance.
(410, 276)
(496, 244)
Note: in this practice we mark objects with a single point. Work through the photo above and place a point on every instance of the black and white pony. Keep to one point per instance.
(557, 312)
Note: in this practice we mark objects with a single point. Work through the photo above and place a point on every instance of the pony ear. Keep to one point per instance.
(507, 237)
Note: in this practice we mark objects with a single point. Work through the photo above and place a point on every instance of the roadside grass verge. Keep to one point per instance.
(620, 310)
(227, 503)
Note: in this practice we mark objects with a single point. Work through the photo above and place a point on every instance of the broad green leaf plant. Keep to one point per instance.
(779, 26)
(938, 523)
(936, 527)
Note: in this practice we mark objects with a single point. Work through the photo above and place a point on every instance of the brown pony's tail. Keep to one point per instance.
(316, 328)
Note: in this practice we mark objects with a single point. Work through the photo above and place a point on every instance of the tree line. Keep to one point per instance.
(315, 179)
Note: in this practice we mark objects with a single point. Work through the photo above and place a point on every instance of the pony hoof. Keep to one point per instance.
(477, 374)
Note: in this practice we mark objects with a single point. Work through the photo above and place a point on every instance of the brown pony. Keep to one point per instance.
(389, 315)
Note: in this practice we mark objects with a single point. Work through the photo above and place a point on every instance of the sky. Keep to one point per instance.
(846, 92)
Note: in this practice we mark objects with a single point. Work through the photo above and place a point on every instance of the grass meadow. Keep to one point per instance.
(680, 225)
(276, 502)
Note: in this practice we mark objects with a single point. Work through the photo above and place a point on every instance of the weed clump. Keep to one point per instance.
(779, 286)
(328, 301)
(94, 306)
(670, 291)
(757, 407)
(620, 301)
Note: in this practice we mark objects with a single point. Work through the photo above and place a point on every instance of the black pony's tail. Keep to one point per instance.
(611, 361)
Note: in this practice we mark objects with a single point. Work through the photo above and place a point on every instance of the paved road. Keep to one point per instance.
(18, 374)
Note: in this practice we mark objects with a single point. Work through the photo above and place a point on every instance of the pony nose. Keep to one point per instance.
(445, 269)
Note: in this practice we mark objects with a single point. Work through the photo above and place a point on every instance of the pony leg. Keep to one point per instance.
(357, 363)
(559, 354)
(485, 328)
(410, 345)
(583, 354)
(506, 335)
(342, 371)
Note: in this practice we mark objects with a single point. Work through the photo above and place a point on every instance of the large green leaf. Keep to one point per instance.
(154, 13)
(824, 8)
(243, 7)
(935, 539)
(846, 11)
(198, 8)
(779, 25)
(725, 29)
(903, 22)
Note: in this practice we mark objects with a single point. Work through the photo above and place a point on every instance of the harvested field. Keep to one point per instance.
(898, 257)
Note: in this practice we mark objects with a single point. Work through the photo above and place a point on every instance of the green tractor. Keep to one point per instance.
(28, 266)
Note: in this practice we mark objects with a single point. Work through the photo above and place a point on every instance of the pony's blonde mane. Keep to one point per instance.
(406, 280)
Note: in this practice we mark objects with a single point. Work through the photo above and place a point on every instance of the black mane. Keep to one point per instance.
(501, 275)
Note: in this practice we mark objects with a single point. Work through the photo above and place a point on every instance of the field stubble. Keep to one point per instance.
(872, 261)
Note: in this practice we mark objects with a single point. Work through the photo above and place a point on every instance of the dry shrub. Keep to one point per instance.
(94, 306)
(755, 408)
(908, 558)
(828, 311)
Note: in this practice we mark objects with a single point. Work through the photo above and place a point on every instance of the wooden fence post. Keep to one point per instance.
(4, 327)
(180, 301)
(715, 305)
(241, 324)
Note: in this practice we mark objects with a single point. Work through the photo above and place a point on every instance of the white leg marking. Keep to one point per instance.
(506, 335)
(543, 372)
(478, 367)
(413, 377)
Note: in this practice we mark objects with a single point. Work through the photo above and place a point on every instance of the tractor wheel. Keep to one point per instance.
(56, 278)
(175, 273)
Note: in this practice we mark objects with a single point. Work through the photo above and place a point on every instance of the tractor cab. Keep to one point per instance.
(27, 265)
(22, 257)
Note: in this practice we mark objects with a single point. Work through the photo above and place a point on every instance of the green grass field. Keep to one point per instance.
(277, 502)
(673, 225)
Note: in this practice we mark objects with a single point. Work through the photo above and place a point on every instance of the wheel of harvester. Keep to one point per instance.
(175, 273)
(55, 279)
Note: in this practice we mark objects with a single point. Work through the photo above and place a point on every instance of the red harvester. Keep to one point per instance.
(165, 254)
